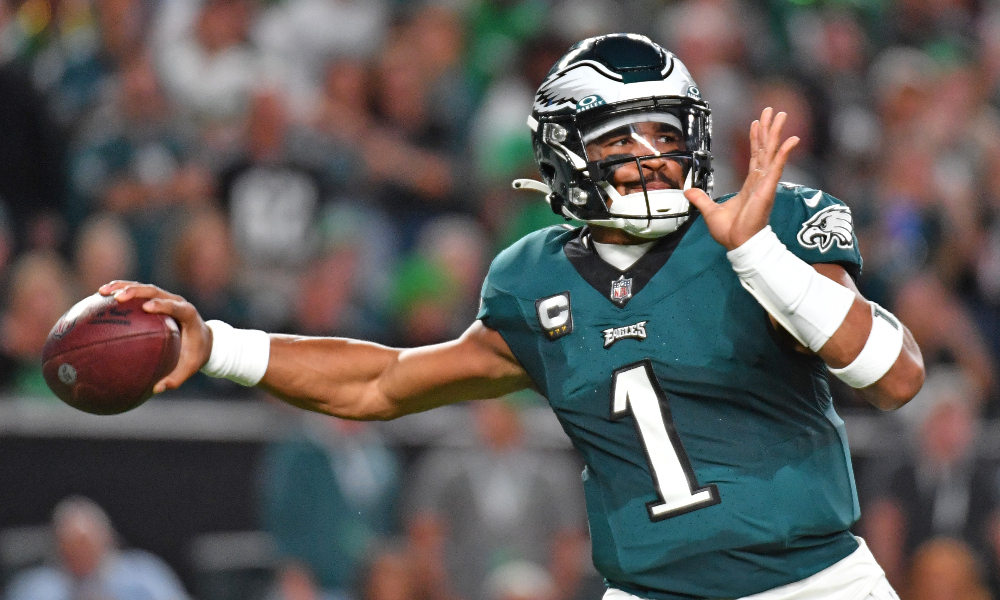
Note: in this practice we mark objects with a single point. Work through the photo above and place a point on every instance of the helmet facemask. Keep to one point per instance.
(627, 165)
(640, 162)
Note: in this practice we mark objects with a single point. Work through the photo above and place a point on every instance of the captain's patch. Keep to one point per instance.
(831, 226)
(636, 332)
(554, 315)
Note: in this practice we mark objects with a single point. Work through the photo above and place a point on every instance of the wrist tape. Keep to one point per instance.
(810, 306)
(238, 355)
(884, 344)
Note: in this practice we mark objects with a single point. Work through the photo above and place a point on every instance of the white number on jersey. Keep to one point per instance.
(635, 389)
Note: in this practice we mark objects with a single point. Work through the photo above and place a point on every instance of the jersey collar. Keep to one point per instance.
(601, 275)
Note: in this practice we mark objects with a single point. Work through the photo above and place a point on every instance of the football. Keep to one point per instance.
(103, 357)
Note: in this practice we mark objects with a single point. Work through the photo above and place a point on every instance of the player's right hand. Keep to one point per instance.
(196, 337)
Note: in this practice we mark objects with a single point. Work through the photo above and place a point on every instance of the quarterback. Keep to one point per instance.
(684, 342)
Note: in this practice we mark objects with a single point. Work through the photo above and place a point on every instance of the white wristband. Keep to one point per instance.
(884, 344)
(810, 306)
(239, 355)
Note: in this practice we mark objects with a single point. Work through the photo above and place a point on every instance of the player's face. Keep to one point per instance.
(648, 139)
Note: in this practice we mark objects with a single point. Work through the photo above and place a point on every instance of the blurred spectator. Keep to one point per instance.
(946, 569)
(204, 264)
(343, 120)
(207, 62)
(500, 144)
(345, 111)
(295, 581)
(500, 138)
(32, 152)
(407, 155)
(708, 38)
(803, 166)
(989, 51)
(422, 301)
(520, 580)
(947, 488)
(389, 574)
(843, 57)
(273, 196)
(40, 291)
(474, 509)
(91, 567)
(916, 23)
(437, 42)
(134, 161)
(299, 36)
(199, 263)
(580, 19)
(496, 29)
(7, 242)
(93, 40)
(945, 332)
(104, 251)
(328, 301)
(327, 495)
(133, 148)
(437, 287)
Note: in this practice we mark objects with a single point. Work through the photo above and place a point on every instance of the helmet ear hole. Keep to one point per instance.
(548, 171)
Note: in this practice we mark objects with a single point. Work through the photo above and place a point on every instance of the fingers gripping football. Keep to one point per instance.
(746, 213)
(196, 337)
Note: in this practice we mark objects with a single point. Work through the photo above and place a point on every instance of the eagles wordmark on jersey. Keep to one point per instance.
(711, 447)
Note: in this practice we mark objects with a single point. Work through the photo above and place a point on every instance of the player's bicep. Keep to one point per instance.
(477, 365)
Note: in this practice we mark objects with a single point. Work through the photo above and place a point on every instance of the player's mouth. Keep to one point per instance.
(658, 184)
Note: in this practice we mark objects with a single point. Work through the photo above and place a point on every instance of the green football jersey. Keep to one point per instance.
(716, 466)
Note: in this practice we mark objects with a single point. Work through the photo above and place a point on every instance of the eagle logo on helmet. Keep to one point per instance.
(572, 86)
(831, 226)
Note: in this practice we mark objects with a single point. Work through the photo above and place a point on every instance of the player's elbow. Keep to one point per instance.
(372, 406)
(897, 387)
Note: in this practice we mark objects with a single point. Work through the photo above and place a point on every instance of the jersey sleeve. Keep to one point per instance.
(502, 309)
(499, 310)
(816, 227)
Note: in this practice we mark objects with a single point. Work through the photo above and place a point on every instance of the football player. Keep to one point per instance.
(684, 343)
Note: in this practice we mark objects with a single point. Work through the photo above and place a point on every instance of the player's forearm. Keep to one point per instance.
(335, 376)
(903, 379)
(902, 382)
(360, 380)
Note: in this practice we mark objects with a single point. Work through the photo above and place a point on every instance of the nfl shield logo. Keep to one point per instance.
(621, 289)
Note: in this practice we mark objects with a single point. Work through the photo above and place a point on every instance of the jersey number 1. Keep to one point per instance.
(635, 390)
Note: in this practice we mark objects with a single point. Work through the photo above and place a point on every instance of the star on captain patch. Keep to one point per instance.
(621, 290)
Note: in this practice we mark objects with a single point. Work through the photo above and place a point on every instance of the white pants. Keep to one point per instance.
(856, 577)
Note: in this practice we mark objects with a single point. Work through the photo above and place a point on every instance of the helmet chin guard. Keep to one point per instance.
(648, 214)
(621, 85)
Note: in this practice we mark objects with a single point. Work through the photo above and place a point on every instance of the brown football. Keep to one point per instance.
(103, 357)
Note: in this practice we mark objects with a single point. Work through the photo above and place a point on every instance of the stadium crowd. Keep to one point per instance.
(343, 167)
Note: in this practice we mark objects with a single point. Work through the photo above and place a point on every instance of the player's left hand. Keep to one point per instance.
(739, 218)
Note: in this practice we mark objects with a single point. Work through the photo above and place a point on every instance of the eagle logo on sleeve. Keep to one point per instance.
(831, 226)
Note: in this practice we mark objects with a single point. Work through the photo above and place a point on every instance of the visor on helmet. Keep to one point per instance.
(595, 130)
